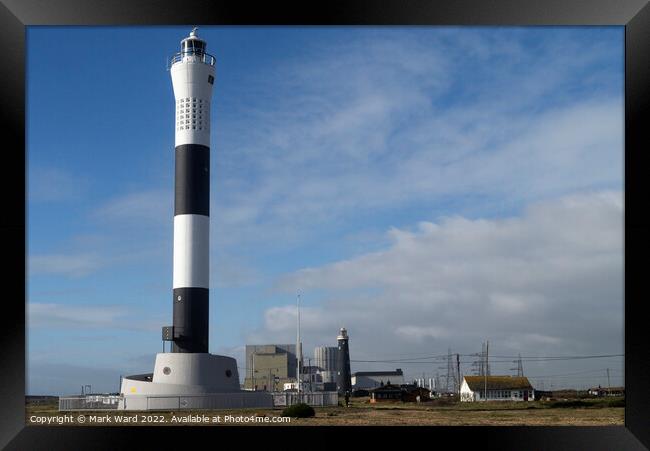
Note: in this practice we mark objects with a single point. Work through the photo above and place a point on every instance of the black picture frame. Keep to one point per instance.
(634, 15)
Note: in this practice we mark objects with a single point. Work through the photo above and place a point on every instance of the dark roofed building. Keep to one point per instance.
(499, 388)
(404, 393)
(607, 391)
(413, 393)
(387, 392)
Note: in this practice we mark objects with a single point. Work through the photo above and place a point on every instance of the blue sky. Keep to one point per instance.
(426, 187)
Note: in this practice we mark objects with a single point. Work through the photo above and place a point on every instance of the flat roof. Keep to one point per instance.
(379, 373)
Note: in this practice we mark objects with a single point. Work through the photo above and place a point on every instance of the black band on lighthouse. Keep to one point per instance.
(191, 308)
(192, 185)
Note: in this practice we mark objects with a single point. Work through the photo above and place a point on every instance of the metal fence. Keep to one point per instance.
(213, 401)
(323, 398)
(89, 402)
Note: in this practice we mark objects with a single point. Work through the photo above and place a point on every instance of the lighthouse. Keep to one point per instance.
(192, 73)
(189, 376)
(343, 380)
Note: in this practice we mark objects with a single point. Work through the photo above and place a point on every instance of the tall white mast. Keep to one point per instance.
(298, 347)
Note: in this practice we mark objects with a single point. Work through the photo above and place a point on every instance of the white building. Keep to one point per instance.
(374, 379)
(499, 388)
(305, 386)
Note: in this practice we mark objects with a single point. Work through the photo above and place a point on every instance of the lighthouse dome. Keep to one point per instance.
(193, 45)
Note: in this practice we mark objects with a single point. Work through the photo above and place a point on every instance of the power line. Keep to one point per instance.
(520, 367)
(560, 357)
(523, 359)
(437, 357)
(570, 374)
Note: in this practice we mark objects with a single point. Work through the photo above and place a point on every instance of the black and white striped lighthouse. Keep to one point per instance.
(192, 71)
(189, 369)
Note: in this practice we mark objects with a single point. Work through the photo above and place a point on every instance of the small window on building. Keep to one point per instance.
(210, 79)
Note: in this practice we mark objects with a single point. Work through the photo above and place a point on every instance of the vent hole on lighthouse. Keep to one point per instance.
(228, 373)
(167, 370)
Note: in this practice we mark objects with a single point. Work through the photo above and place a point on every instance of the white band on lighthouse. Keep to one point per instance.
(191, 251)
(193, 93)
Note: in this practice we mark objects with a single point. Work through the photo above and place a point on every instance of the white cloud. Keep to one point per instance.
(285, 318)
(71, 265)
(49, 184)
(418, 333)
(550, 280)
(138, 208)
(68, 316)
(231, 271)
(364, 130)
(57, 315)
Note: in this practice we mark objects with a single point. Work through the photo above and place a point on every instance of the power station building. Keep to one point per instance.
(273, 368)
(269, 367)
(326, 359)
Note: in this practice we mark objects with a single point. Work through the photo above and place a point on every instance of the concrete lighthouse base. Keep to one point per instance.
(189, 381)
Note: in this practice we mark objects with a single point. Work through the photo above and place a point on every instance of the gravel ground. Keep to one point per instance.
(359, 413)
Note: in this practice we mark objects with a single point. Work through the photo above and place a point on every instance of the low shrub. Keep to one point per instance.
(573, 403)
(616, 403)
(444, 401)
(301, 410)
